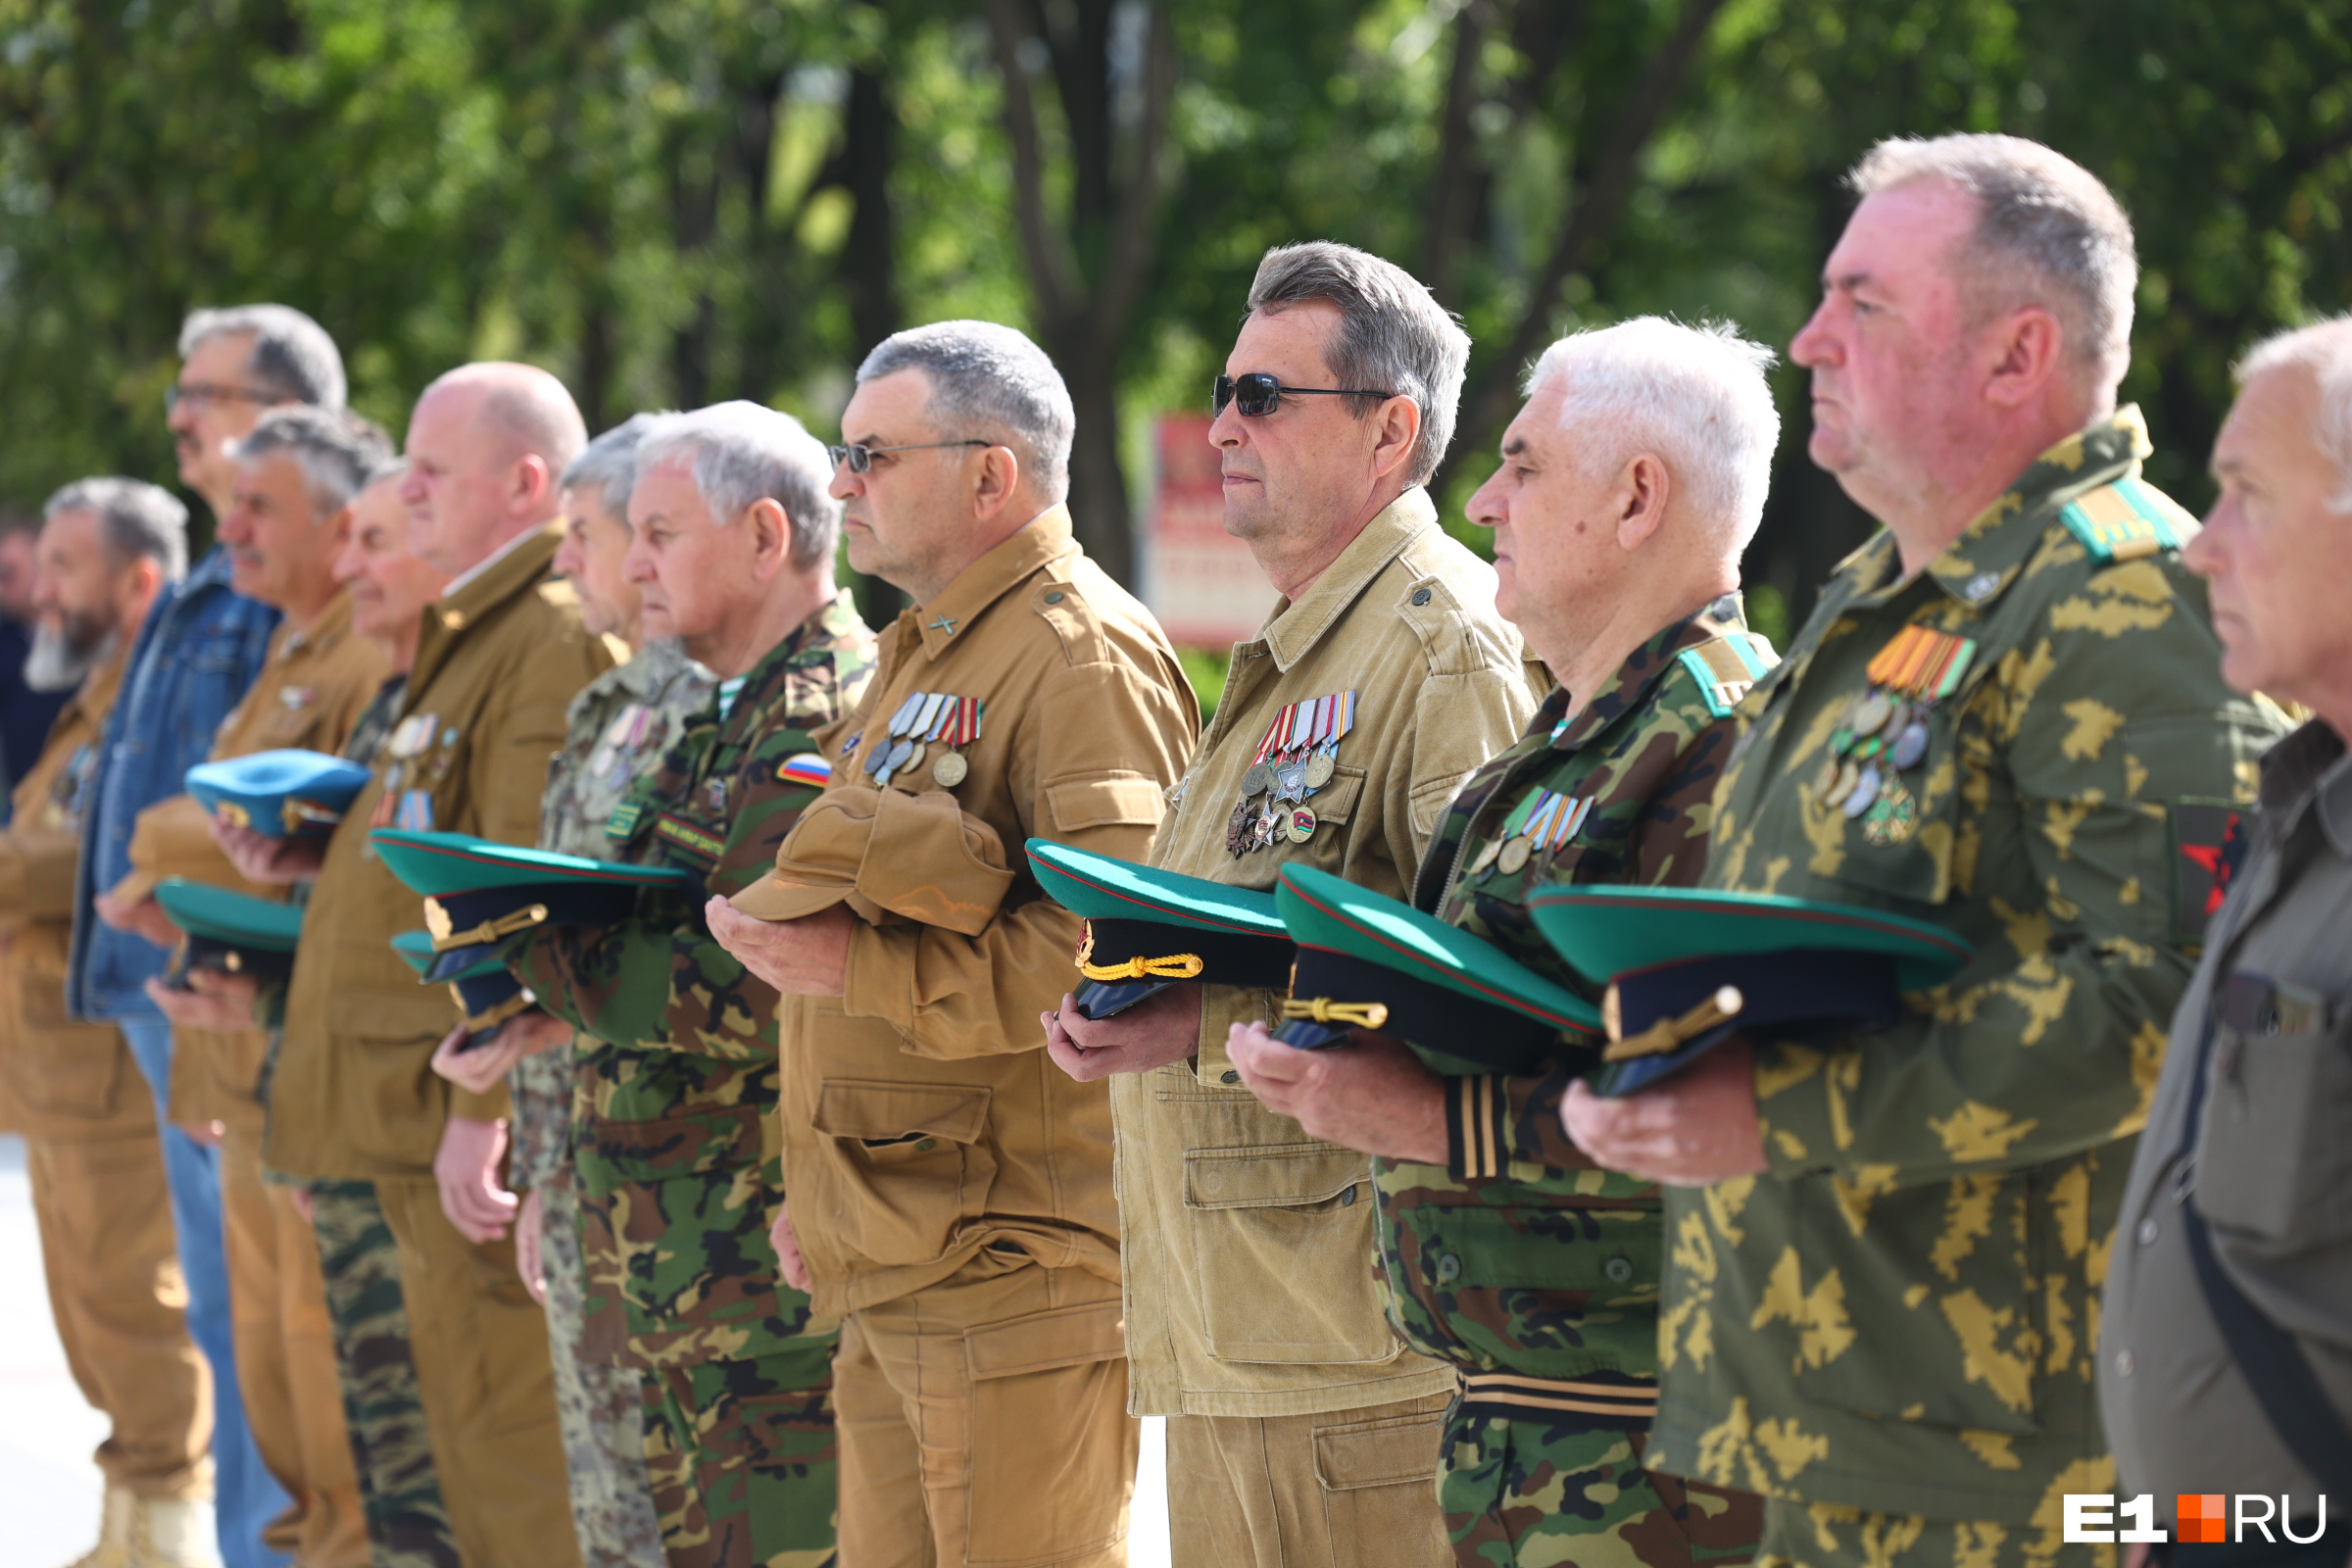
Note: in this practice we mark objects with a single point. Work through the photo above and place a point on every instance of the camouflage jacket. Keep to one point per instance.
(676, 1149)
(1520, 1256)
(623, 723)
(1900, 1315)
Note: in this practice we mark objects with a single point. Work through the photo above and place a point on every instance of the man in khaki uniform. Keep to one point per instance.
(948, 1190)
(289, 515)
(501, 655)
(72, 1090)
(1304, 1432)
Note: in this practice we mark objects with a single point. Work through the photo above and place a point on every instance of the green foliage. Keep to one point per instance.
(682, 200)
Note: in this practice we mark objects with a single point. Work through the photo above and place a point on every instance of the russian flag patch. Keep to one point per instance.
(805, 768)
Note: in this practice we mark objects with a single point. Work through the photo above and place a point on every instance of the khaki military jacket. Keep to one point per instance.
(57, 1078)
(923, 1118)
(499, 661)
(1250, 1286)
(1901, 1316)
(313, 687)
(2267, 1160)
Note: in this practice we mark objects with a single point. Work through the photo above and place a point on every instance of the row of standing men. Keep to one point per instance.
(823, 1248)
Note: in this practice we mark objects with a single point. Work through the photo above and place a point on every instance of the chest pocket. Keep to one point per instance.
(2272, 1160)
(1334, 806)
(1905, 841)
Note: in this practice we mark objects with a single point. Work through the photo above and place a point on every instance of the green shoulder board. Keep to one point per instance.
(1728, 667)
(2124, 520)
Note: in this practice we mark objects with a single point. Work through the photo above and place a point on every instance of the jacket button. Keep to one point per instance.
(1228, 1077)
(1449, 1270)
(926, 1146)
(1053, 598)
(2148, 1233)
(2124, 1363)
(1420, 596)
(1618, 1269)
(1347, 1197)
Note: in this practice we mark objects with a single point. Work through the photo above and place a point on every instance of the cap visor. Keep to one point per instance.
(772, 899)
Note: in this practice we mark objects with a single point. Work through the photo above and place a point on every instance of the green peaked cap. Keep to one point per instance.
(415, 949)
(1101, 888)
(280, 794)
(1332, 915)
(236, 920)
(434, 864)
(1604, 932)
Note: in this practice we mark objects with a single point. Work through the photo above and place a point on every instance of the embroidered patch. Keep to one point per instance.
(2208, 843)
(698, 843)
(624, 820)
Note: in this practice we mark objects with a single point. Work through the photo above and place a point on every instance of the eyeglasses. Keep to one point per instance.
(199, 393)
(1260, 394)
(862, 459)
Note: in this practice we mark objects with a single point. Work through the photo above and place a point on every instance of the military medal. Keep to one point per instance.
(1487, 858)
(1891, 819)
(1237, 830)
(1866, 789)
(1887, 724)
(954, 726)
(1514, 856)
(1301, 825)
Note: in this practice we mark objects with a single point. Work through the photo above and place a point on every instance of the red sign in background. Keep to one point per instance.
(1200, 581)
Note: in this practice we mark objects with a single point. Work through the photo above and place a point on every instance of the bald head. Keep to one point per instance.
(486, 445)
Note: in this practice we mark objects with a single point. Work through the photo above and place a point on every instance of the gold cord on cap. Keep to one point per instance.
(483, 1022)
(1668, 1033)
(1175, 966)
(1322, 1010)
(446, 937)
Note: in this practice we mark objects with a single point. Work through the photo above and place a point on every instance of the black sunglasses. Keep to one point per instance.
(862, 459)
(1260, 394)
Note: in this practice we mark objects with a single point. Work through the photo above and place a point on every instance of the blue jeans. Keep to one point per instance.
(245, 1495)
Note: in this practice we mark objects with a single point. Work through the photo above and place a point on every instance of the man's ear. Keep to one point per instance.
(532, 482)
(2026, 348)
(771, 535)
(138, 586)
(999, 477)
(1399, 422)
(1643, 490)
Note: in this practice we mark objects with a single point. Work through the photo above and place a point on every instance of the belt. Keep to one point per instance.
(1606, 1399)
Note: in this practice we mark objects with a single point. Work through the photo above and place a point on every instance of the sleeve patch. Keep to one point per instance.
(2121, 521)
(2209, 842)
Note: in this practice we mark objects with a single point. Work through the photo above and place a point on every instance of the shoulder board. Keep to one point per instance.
(2124, 520)
(1728, 668)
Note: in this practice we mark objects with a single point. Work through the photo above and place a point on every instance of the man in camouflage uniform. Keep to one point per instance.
(674, 1133)
(2004, 717)
(622, 724)
(1507, 1252)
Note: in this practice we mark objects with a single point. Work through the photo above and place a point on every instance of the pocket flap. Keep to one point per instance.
(847, 1108)
(1073, 1335)
(1394, 1452)
(1121, 799)
(1270, 1176)
(1335, 802)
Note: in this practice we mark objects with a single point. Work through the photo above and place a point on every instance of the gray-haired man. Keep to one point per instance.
(948, 1190)
(731, 551)
(1306, 1431)
(236, 364)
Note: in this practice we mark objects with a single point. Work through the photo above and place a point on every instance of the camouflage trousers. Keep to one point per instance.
(600, 1408)
(743, 1459)
(1520, 1492)
(1822, 1535)
(407, 1525)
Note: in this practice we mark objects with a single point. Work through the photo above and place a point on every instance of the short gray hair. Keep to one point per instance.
(1393, 336)
(292, 356)
(607, 464)
(744, 453)
(990, 383)
(1695, 395)
(136, 520)
(2048, 233)
(2324, 349)
(339, 452)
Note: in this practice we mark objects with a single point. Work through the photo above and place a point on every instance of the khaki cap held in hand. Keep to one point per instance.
(889, 855)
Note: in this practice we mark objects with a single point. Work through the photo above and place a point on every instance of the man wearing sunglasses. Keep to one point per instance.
(1303, 1432)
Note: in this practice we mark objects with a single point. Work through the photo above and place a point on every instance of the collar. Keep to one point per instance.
(1041, 542)
(1294, 628)
(1642, 672)
(466, 579)
(2311, 768)
(328, 631)
(1992, 551)
(96, 693)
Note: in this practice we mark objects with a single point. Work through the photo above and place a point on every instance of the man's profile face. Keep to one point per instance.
(218, 402)
(693, 571)
(1886, 345)
(389, 583)
(78, 584)
(595, 545)
(1311, 455)
(460, 477)
(1555, 537)
(902, 518)
(2273, 550)
(278, 545)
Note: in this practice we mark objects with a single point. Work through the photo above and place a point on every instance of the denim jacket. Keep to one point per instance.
(201, 646)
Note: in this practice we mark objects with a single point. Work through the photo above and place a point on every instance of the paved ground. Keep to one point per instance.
(48, 1486)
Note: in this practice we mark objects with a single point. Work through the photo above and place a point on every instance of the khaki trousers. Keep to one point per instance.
(116, 1293)
(488, 1387)
(1345, 1489)
(984, 1421)
(286, 1362)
